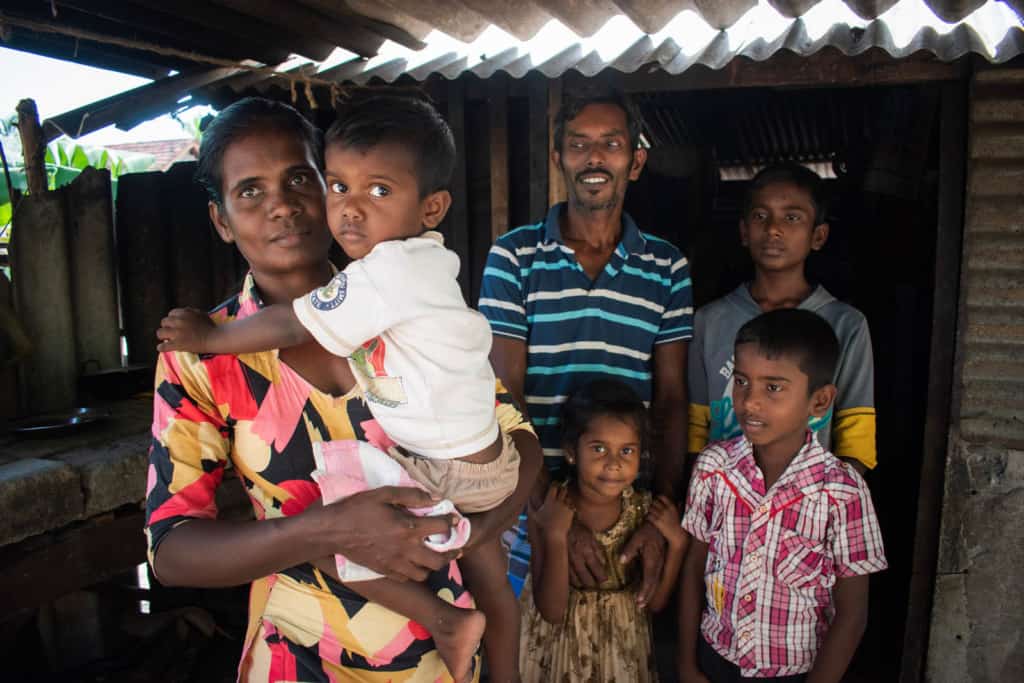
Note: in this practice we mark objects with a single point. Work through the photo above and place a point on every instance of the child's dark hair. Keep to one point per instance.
(407, 121)
(798, 334)
(602, 397)
(790, 172)
(237, 121)
(573, 105)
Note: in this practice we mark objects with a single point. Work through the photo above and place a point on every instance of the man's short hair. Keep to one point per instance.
(791, 172)
(237, 121)
(800, 335)
(405, 120)
(574, 104)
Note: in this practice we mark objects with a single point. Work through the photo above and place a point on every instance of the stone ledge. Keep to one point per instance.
(111, 476)
(37, 496)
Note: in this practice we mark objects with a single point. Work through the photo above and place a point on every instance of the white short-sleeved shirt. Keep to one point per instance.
(418, 352)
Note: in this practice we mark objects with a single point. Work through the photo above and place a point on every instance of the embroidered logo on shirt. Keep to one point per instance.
(330, 296)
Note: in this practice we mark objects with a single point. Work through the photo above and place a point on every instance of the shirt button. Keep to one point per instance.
(744, 635)
(748, 597)
(764, 508)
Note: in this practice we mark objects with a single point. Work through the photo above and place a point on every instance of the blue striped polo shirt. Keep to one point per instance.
(577, 329)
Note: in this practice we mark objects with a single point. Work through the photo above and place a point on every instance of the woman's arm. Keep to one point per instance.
(548, 528)
(371, 528)
(273, 327)
(850, 596)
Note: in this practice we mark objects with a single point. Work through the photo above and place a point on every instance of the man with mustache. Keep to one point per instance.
(585, 294)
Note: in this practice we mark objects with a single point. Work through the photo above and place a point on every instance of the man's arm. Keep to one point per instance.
(669, 417)
(273, 327)
(508, 358)
(850, 596)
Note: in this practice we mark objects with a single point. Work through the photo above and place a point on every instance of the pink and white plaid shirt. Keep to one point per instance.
(773, 556)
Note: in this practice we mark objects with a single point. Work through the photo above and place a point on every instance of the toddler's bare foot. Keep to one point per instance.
(457, 633)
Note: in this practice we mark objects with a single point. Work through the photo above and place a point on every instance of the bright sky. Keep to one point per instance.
(58, 86)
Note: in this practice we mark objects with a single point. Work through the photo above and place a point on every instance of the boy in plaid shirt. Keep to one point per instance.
(775, 585)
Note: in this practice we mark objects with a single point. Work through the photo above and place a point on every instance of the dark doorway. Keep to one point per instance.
(879, 150)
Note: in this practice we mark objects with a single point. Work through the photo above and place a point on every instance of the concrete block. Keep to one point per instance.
(37, 496)
(112, 475)
(950, 631)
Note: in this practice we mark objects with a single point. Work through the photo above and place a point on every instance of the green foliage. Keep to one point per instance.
(65, 159)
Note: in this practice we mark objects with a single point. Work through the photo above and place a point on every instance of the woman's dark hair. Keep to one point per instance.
(572, 107)
(240, 119)
(790, 172)
(405, 120)
(800, 335)
(602, 398)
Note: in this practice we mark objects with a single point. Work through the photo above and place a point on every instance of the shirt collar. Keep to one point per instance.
(250, 292)
(798, 473)
(632, 241)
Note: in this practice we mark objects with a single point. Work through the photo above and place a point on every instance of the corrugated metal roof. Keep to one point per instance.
(993, 31)
(411, 38)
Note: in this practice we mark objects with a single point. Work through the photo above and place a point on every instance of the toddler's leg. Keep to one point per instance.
(484, 570)
(456, 631)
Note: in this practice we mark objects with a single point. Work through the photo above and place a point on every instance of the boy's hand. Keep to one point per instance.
(554, 516)
(664, 515)
(184, 329)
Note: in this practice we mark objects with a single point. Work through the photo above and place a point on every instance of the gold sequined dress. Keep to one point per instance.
(605, 637)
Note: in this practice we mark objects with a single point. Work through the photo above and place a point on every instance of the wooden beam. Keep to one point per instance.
(942, 363)
(176, 29)
(243, 25)
(38, 570)
(340, 11)
(307, 22)
(33, 146)
(827, 68)
(556, 182)
(498, 109)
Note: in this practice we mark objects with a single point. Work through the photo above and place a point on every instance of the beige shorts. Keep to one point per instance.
(470, 486)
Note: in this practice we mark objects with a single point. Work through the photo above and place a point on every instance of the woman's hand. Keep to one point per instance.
(554, 516)
(184, 329)
(664, 515)
(375, 529)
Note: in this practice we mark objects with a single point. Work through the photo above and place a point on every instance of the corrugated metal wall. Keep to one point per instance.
(977, 630)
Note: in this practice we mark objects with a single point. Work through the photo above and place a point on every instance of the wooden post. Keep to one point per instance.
(498, 106)
(457, 221)
(556, 183)
(33, 146)
(540, 146)
(42, 289)
(92, 264)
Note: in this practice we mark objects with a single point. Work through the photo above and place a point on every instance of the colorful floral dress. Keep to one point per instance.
(605, 637)
(258, 415)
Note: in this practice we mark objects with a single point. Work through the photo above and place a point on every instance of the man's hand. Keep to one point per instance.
(375, 529)
(649, 544)
(184, 329)
(586, 561)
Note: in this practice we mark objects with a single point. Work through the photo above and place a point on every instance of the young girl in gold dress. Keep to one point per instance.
(571, 634)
